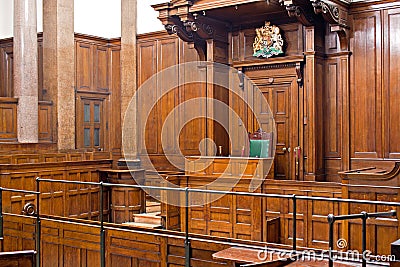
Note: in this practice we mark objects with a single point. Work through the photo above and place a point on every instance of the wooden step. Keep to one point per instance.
(153, 206)
(143, 225)
(150, 218)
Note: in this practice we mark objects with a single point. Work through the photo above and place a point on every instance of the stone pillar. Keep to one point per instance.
(26, 69)
(58, 67)
(128, 73)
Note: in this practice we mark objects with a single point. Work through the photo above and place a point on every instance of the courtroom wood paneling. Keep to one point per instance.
(167, 93)
(366, 87)
(84, 67)
(97, 70)
(115, 124)
(157, 52)
(147, 67)
(66, 243)
(333, 116)
(278, 85)
(242, 42)
(67, 200)
(6, 68)
(391, 83)
(194, 130)
(97, 77)
(45, 120)
(18, 258)
(8, 119)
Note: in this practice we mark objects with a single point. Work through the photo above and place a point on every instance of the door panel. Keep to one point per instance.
(278, 99)
(282, 97)
(90, 123)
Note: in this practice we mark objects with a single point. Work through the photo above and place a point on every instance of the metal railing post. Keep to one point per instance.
(102, 233)
(1, 213)
(331, 221)
(294, 223)
(364, 237)
(187, 241)
(38, 223)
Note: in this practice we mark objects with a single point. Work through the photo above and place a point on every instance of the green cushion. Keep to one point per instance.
(259, 148)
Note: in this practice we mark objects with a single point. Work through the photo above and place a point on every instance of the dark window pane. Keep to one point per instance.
(96, 113)
(86, 137)
(86, 113)
(96, 137)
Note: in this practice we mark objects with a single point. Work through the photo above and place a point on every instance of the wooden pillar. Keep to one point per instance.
(25, 52)
(58, 67)
(344, 59)
(128, 74)
(313, 115)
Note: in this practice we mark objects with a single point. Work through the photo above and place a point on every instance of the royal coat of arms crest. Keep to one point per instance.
(268, 41)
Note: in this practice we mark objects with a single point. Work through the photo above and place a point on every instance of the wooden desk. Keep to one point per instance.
(257, 168)
(237, 256)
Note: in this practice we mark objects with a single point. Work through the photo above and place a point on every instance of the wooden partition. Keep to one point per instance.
(8, 119)
(26, 258)
(372, 184)
(271, 219)
(66, 243)
(67, 200)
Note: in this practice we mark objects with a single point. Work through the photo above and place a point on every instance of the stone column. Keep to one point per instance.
(128, 72)
(26, 69)
(58, 67)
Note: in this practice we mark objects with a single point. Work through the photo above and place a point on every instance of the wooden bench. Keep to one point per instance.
(25, 258)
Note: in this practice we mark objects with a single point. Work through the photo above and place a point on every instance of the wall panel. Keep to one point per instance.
(366, 89)
(83, 66)
(147, 67)
(391, 106)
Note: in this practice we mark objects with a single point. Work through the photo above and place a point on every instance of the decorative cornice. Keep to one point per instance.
(271, 66)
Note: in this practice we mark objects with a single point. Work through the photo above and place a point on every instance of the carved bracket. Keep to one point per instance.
(298, 13)
(299, 72)
(329, 12)
(180, 31)
(335, 16)
(188, 32)
(203, 30)
(295, 11)
(343, 34)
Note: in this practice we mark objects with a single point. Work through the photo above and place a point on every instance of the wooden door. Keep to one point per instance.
(91, 123)
(282, 96)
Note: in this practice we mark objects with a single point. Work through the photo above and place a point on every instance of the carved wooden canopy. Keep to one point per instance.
(198, 20)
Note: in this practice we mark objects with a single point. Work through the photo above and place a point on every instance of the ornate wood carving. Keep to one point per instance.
(335, 16)
(180, 31)
(298, 13)
(299, 72)
(203, 30)
(328, 11)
